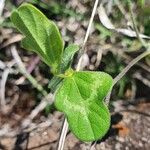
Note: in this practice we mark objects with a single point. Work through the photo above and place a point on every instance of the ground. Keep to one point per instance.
(106, 51)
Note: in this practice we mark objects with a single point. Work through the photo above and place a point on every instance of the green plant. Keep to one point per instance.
(79, 94)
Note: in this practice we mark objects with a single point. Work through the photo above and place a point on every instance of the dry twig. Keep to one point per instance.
(2, 88)
(7, 69)
(25, 72)
(141, 78)
(49, 99)
(2, 3)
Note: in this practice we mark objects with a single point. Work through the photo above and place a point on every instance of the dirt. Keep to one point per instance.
(130, 130)
(130, 125)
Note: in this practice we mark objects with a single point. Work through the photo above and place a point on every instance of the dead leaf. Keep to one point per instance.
(107, 23)
(123, 130)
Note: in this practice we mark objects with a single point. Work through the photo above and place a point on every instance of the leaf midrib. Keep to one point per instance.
(27, 36)
(84, 104)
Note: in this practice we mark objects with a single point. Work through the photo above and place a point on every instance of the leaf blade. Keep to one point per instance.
(87, 115)
(68, 55)
(41, 35)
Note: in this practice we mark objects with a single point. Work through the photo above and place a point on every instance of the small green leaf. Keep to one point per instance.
(41, 35)
(54, 83)
(68, 55)
(80, 97)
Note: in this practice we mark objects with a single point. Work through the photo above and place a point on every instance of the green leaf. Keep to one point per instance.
(68, 55)
(81, 97)
(41, 35)
(54, 83)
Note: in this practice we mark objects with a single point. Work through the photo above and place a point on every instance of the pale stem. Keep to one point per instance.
(65, 125)
(63, 135)
(87, 34)
(124, 71)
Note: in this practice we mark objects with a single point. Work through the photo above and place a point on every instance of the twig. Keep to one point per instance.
(92, 146)
(2, 3)
(140, 64)
(107, 23)
(134, 61)
(109, 6)
(65, 125)
(7, 131)
(49, 99)
(134, 89)
(25, 73)
(63, 135)
(30, 68)
(87, 34)
(127, 58)
(13, 39)
(2, 91)
(144, 80)
(134, 25)
(99, 57)
(26, 124)
(90, 23)
(2, 65)
(122, 10)
(7, 69)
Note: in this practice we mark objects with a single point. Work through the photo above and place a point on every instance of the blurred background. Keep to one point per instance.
(107, 50)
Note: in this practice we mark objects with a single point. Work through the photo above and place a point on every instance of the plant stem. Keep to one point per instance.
(134, 61)
(125, 70)
(65, 125)
(82, 51)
